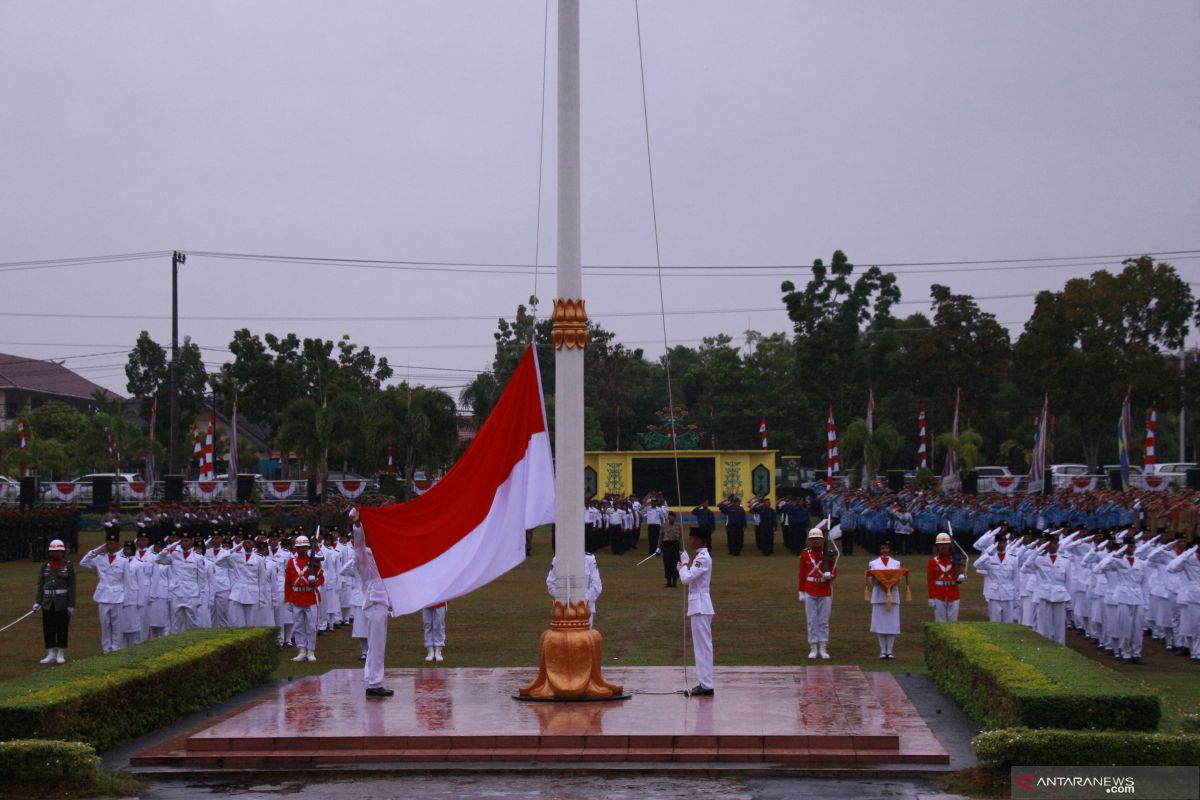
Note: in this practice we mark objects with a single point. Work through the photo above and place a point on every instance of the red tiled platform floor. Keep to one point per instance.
(824, 715)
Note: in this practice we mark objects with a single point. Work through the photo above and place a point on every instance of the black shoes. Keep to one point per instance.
(699, 691)
(379, 691)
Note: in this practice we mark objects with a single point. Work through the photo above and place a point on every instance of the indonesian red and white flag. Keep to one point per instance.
(469, 528)
(762, 431)
(1148, 457)
(206, 455)
(832, 460)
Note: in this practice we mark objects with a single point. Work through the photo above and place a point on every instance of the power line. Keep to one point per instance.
(455, 317)
(521, 268)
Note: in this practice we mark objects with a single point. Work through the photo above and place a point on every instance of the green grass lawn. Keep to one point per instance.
(759, 621)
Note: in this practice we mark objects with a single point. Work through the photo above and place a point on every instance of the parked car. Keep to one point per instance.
(988, 474)
(122, 484)
(1175, 472)
(1061, 474)
(10, 489)
(372, 486)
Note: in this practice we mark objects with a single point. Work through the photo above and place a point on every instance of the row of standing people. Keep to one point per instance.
(1113, 586)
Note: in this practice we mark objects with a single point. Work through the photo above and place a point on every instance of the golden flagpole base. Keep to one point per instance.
(569, 659)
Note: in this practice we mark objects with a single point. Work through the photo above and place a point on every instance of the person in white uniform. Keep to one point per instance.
(594, 585)
(112, 566)
(885, 615)
(433, 625)
(375, 609)
(218, 608)
(1131, 574)
(188, 583)
(999, 573)
(697, 577)
(243, 568)
(137, 588)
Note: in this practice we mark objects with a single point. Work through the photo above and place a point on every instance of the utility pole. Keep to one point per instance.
(177, 258)
(1182, 403)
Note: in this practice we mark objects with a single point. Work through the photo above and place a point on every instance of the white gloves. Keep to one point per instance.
(827, 576)
(800, 596)
(37, 606)
(931, 604)
(312, 579)
(962, 578)
(353, 515)
(70, 611)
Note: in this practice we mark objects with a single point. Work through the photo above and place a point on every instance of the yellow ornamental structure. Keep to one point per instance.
(704, 475)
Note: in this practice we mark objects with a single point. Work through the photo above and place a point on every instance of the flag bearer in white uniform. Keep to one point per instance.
(374, 612)
(885, 604)
(697, 577)
(137, 587)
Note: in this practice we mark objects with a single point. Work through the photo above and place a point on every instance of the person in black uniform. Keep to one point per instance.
(735, 523)
(56, 601)
(764, 530)
(705, 519)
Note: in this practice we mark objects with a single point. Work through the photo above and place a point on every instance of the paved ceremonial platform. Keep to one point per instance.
(789, 716)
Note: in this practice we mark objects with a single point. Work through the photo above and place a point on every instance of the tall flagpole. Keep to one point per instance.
(570, 652)
(570, 320)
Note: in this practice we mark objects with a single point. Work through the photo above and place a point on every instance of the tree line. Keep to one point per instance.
(331, 402)
(1084, 346)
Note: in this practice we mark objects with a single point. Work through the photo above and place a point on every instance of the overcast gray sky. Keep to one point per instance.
(781, 131)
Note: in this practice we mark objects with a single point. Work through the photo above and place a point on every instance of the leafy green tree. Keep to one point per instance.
(316, 431)
(148, 377)
(877, 448)
(266, 369)
(968, 445)
(420, 423)
(1100, 336)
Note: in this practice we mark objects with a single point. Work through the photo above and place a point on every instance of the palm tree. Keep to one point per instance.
(967, 446)
(421, 423)
(314, 430)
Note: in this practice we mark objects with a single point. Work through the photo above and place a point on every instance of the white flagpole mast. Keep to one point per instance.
(569, 316)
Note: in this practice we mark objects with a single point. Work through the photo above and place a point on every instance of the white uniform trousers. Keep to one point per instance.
(1189, 627)
(1052, 621)
(184, 618)
(305, 630)
(112, 633)
(376, 616)
(434, 622)
(816, 614)
(1028, 616)
(220, 610)
(1081, 608)
(158, 617)
(1000, 610)
(1131, 620)
(702, 648)
(1095, 626)
(1108, 627)
(283, 621)
(240, 615)
(945, 611)
(132, 619)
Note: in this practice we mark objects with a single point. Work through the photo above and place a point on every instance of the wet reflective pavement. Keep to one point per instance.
(822, 715)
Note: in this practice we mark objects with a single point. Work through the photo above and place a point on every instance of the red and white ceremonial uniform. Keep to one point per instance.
(942, 578)
(816, 592)
(302, 591)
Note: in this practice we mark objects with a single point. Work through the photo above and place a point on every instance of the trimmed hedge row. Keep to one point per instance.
(1016, 746)
(1006, 676)
(46, 760)
(105, 699)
